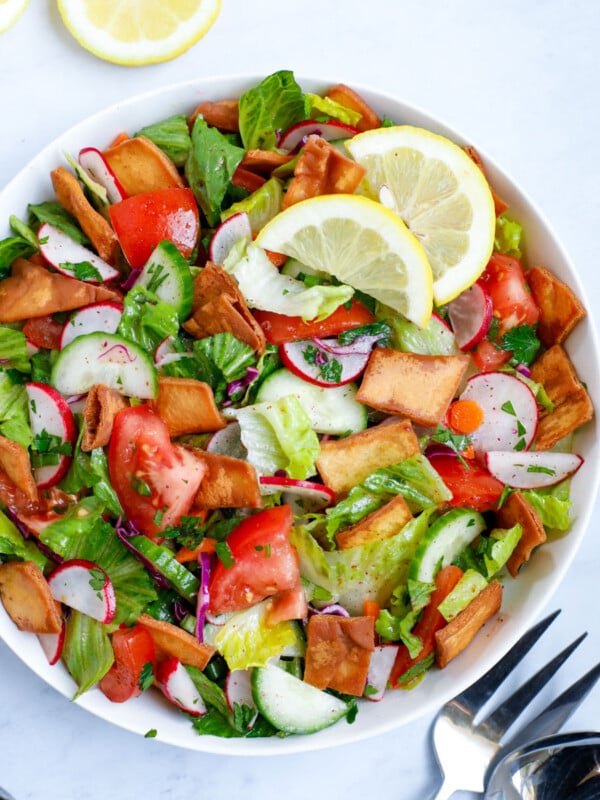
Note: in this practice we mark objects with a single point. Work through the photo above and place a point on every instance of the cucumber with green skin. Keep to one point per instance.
(444, 541)
(292, 705)
(167, 274)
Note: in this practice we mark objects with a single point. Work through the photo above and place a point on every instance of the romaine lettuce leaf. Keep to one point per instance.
(274, 105)
(87, 651)
(326, 107)
(10, 248)
(468, 587)
(172, 136)
(553, 505)
(14, 411)
(13, 543)
(13, 350)
(264, 287)
(146, 320)
(221, 359)
(261, 205)
(55, 214)
(508, 237)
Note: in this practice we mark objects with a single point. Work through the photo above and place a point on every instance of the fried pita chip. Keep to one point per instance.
(27, 598)
(14, 461)
(187, 406)
(384, 523)
(264, 161)
(338, 652)
(499, 205)
(517, 510)
(560, 307)
(224, 114)
(102, 405)
(229, 483)
(345, 96)
(172, 641)
(141, 166)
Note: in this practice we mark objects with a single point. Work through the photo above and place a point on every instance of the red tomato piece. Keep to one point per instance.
(43, 332)
(133, 649)
(155, 480)
(470, 483)
(513, 303)
(289, 604)
(488, 357)
(143, 221)
(264, 562)
(279, 328)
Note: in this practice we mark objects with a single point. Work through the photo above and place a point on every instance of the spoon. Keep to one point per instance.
(554, 768)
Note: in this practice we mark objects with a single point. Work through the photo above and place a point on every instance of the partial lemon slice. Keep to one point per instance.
(136, 32)
(443, 197)
(360, 242)
(10, 11)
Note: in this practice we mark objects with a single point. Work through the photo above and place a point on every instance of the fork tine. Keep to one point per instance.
(499, 721)
(476, 695)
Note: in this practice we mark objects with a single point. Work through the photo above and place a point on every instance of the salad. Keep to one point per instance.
(271, 442)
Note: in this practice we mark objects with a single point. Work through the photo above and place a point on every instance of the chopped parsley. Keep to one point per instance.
(522, 342)
(225, 555)
(146, 678)
(330, 369)
(83, 271)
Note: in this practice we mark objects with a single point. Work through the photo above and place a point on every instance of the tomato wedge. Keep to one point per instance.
(144, 220)
(263, 562)
(155, 480)
(505, 282)
(133, 649)
(279, 328)
(470, 483)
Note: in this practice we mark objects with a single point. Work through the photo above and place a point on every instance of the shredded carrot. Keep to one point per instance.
(465, 416)
(185, 554)
(371, 608)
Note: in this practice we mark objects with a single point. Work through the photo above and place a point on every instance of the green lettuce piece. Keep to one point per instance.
(82, 533)
(56, 215)
(222, 358)
(274, 105)
(13, 543)
(20, 228)
(95, 191)
(14, 411)
(13, 350)
(10, 248)
(41, 366)
(497, 548)
(468, 587)
(508, 237)
(246, 640)
(261, 205)
(146, 320)
(414, 478)
(553, 505)
(264, 287)
(210, 165)
(434, 340)
(358, 504)
(278, 435)
(330, 108)
(172, 136)
(87, 651)
(399, 629)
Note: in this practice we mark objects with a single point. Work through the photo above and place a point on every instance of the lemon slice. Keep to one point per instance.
(360, 242)
(443, 197)
(10, 11)
(136, 32)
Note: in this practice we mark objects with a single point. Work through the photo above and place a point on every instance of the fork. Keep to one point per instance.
(466, 751)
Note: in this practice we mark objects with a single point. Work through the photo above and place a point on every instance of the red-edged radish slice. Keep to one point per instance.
(227, 442)
(235, 227)
(50, 415)
(293, 138)
(165, 353)
(71, 258)
(470, 316)
(32, 348)
(532, 469)
(351, 365)
(510, 412)
(238, 691)
(380, 668)
(101, 317)
(83, 585)
(97, 167)
(310, 496)
(52, 644)
(175, 683)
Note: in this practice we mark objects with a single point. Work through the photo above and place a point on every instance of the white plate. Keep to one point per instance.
(524, 598)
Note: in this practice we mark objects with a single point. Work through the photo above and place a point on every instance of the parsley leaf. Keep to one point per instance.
(522, 342)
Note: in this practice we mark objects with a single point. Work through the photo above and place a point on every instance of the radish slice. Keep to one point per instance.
(97, 167)
(470, 316)
(175, 683)
(293, 138)
(307, 495)
(50, 416)
(235, 227)
(351, 365)
(52, 644)
(510, 412)
(101, 317)
(228, 442)
(66, 256)
(380, 668)
(32, 348)
(83, 585)
(532, 470)
(165, 353)
(238, 691)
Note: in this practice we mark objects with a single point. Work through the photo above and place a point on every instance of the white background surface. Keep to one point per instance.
(518, 79)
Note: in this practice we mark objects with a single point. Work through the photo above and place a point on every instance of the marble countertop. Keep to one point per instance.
(520, 80)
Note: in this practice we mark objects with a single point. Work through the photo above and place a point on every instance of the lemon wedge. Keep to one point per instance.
(441, 195)
(137, 32)
(361, 243)
(10, 11)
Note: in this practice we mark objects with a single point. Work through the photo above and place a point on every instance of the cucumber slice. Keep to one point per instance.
(168, 275)
(105, 358)
(292, 705)
(332, 410)
(447, 537)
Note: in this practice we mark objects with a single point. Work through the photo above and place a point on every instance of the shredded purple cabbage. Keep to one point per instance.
(203, 596)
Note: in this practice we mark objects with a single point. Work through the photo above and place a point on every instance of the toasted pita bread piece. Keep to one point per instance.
(71, 196)
(264, 161)
(187, 406)
(14, 461)
(141, 166)
(517, 510)
(27, 598)
(102, 405)
(347, 97)
(457, 634)
(32, 291)
(229, 483)
(322, 169)
(572, 404)
(411, 385)
(338, 652)
(384, 523)
(223, 114)
(499, 205)
(560, 307)
(219, 306)
(344, 463)
(172, 641)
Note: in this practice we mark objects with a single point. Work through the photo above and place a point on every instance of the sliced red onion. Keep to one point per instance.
(180, 610)
(360, 346)
(203, 595)
(334, 608)
(129, 282)
(123, 351)
(214, 619)
(524, 370)
(242, 383)
(280, 473)
(74, 398)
